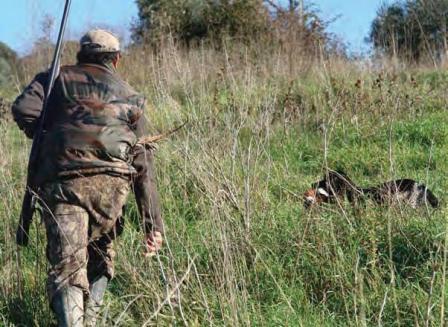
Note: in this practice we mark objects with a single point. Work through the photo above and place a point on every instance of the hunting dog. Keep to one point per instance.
(336, 185)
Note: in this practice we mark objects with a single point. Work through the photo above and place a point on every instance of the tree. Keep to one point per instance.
(8, 65)
(190, 20)
(413, 30)
(293, 26)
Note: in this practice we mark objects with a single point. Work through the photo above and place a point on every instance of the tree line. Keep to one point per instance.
(413, 30)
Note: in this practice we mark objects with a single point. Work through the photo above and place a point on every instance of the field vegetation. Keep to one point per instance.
(240, 250)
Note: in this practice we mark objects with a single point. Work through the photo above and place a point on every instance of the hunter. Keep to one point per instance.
(89, 160)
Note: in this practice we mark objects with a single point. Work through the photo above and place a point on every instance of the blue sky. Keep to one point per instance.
(21, 20)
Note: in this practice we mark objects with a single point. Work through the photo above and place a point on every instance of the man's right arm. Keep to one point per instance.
(145, 190)
(27, 108)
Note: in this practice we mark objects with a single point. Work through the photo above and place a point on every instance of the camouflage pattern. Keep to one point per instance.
(92, 124)
(82, 217)
(89, 160)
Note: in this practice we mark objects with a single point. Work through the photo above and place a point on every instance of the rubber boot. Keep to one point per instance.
(68, 306)
(95, 300)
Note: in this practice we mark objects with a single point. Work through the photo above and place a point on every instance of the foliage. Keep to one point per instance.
(8, 54)
(189, 20)
(8, 65)
(246, 21)
(412, 30)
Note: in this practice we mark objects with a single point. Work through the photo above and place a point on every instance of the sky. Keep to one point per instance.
(21, 20)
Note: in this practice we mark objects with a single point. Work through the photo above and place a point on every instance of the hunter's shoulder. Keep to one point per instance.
(98, 73)
(86, 69)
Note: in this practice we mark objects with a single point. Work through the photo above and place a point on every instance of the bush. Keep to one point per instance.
(193, 20)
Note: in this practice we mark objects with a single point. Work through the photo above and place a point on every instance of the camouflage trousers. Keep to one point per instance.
(82, 217)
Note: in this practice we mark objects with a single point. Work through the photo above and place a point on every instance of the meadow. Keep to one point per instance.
(240, 249)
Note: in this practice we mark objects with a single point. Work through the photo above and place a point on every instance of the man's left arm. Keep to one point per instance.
(27, 108)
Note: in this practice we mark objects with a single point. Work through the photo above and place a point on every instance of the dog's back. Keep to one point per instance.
(403, 190)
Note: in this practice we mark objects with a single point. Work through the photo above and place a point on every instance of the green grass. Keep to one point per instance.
(240, 249)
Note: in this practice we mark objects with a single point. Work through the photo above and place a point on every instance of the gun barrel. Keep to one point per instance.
(28, 203)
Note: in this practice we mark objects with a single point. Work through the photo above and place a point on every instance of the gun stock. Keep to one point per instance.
(26, 216)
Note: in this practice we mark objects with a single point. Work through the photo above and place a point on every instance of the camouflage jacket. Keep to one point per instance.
(92, 124)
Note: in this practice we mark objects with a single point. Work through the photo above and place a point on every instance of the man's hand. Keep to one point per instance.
(153, 243)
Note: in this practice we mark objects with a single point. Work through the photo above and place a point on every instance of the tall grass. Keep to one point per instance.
(240, 250)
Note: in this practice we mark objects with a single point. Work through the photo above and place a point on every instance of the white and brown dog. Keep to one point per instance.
(336, 185)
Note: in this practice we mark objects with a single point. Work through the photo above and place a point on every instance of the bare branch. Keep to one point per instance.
(155, 138)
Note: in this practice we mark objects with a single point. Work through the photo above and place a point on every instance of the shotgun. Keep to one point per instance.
(31, 190)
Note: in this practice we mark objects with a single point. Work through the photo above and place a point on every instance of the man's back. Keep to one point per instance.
(91, 125)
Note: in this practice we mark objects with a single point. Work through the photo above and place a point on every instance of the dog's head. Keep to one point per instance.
(334, 184)
(315, 196)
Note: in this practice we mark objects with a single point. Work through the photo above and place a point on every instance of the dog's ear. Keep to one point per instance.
(321, 183)
(336, 182)
(332, 178)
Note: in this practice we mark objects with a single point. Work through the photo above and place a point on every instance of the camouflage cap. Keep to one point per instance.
(98, 40)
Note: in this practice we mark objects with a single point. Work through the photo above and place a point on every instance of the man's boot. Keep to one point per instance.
(95, 300)
(68, 306)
